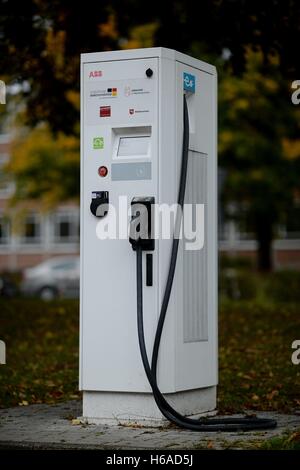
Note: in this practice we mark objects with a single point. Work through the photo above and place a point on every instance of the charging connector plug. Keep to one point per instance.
(141, 225)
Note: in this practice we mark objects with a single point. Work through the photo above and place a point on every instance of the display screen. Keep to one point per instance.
(131, 146)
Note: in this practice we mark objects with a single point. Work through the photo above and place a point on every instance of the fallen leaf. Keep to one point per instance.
(272, 394)
(23, 403)
(75, 422)
(295, 437)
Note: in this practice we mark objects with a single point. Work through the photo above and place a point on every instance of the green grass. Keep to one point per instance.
(290, 441)
(256, 371)
(255, 354)
(41, 351)
(287, 441)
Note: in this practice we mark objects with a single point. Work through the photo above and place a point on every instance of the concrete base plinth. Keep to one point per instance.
(121, 408)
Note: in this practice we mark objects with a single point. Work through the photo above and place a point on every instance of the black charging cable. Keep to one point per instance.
(204, 424)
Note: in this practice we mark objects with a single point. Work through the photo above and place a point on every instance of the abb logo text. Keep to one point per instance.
(95, 74)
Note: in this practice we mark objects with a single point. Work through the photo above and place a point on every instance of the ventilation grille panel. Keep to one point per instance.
(195, 327)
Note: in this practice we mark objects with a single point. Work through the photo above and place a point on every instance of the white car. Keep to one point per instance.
(56, 277)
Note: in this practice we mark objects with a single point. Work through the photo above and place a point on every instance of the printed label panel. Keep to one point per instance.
(131, 171)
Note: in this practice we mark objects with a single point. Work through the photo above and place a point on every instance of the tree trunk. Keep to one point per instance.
(264, 234)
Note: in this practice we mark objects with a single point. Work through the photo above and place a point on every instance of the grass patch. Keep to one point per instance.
(255, 354)
(290, 441)
(256, 371)
(41, 351)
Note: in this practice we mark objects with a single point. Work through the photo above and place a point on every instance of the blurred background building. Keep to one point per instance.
(259, 123)
(236, 239)
(41, 235)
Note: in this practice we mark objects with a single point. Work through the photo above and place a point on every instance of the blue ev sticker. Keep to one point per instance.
(189, 82)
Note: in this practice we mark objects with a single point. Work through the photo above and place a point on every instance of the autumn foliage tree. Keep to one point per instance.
(40, 46)
(45, 169)
(41, 41)
(259, 146)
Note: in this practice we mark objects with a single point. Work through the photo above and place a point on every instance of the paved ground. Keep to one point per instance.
(55, 427)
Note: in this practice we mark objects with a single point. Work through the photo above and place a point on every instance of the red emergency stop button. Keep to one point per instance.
(102, 171)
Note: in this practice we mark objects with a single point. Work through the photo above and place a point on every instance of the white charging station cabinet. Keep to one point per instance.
(132, 127)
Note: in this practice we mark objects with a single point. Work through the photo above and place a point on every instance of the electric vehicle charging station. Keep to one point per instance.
(142, 142)
(139, 109)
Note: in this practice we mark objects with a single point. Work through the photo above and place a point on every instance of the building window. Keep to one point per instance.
(32, 229)
(4, 230)
(292, 226)
(6, 185)
(66, 227)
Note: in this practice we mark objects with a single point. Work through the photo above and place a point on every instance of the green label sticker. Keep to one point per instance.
(98, 143)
